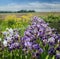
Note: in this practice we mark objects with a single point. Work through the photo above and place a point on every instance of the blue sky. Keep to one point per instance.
(37, 5)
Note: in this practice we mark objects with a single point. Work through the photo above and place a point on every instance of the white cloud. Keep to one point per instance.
(37, 6)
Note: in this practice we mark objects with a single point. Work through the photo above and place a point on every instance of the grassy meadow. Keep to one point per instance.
(21, 21)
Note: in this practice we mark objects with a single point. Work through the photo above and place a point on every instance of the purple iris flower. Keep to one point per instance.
(58, 48)
(52, 51)
(36, 46)
(57, 56)
(40, 50)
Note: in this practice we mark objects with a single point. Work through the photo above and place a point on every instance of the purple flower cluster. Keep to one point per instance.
(39, 29)
(11, 38)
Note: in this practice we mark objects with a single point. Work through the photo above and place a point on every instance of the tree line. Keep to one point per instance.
(20, 11)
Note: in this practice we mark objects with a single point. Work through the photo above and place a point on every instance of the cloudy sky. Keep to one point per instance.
(37, 5)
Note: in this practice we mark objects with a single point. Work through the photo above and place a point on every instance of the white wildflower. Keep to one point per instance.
(5, 43)
(11, 31)
(51, 39)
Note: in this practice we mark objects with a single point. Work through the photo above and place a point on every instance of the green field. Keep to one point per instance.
(53, 18)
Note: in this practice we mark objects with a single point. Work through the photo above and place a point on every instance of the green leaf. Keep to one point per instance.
(47, 56)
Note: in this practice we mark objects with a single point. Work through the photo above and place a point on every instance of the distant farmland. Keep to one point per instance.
(18, 15)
